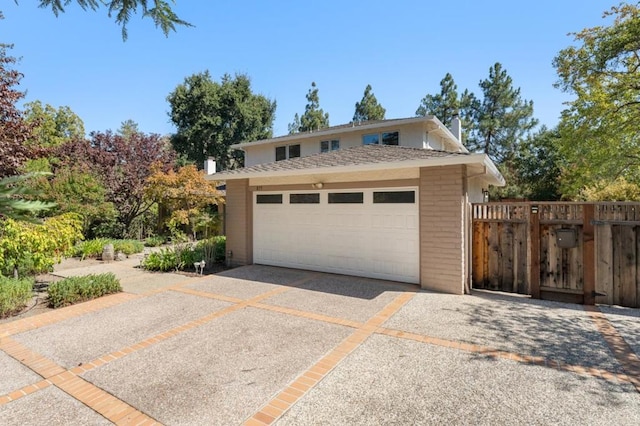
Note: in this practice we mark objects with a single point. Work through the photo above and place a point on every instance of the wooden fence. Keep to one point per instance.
(527, 248)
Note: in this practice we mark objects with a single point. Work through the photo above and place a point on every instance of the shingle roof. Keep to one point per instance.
(355, 156)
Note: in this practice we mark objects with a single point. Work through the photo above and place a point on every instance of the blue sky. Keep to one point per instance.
(402, 48)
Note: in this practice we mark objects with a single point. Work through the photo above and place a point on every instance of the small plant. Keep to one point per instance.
(93, 248)
(167, 259)
(90, 248)
(14, 294)
(128, 247)
(155, 241)
(79, 289)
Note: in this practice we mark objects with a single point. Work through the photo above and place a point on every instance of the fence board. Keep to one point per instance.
(506, 250)
(521, 270)
(604, 264)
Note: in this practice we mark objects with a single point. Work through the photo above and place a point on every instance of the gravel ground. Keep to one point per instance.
(14, 375)
(391, 381)
(554, 330)
(221, 372)
(232, 287)
(85, 338)
(326, 295)
(266, 274)
(49, 406)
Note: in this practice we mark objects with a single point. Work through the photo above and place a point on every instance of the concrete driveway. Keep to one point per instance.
(261, 345)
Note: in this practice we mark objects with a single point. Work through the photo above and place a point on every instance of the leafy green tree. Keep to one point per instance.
(501, 119)
(314, 118)
(535, 172)
(211, 116)
(157, 10)
(76, 189)
(599, 128)
(618, 189)
(52, 127)
(368, 108)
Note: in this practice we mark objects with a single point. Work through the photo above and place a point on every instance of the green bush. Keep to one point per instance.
(154, 241)
(14, 294)
(90, 248)
(78, 289)
(166, 259)
(182, 256)
(128, 247)
(93, 248)
(33, 248)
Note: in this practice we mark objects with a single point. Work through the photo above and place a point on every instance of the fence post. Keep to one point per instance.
(588, 255)
(534, 240)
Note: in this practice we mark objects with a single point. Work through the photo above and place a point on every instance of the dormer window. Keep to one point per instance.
(332, 145)
(287, 151)
(387, 138)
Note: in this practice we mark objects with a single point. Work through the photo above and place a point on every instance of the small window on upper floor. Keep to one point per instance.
(288, 151)
(390, 138)
(332, 145)
(372, 139)
(387, 138)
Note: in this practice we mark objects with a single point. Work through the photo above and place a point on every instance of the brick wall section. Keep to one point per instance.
(442, 229)
(239, 222)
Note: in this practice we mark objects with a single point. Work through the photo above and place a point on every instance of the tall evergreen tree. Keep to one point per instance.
(501, 119)
(368, 108)
(444, 105)
(314, 118)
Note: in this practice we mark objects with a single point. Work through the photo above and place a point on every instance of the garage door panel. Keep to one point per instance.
(373, 240)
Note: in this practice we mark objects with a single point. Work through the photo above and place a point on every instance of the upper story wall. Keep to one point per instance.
(415, 135)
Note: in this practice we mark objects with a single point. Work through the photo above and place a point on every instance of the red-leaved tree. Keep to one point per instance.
(14, 131)
(123, 164)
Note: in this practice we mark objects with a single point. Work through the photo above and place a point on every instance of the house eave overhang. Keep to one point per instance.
(492, 175)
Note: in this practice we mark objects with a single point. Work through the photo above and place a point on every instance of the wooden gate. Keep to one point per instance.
(573, 252)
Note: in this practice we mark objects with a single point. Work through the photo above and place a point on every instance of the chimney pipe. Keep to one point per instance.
(456, 127)
(210, 166)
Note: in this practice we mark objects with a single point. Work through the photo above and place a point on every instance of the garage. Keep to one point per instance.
(363, 232)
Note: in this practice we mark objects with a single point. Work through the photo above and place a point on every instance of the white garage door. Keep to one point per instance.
(370, 232)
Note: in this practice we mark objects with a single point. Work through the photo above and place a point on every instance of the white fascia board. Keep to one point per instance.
(493, 177)
(346, 129)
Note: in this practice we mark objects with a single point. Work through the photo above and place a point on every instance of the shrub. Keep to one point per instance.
(128, 247)
(183, 256)
(90, 248)
(167, 259)
(33, 248)
(14, 294)
(79, 289)
(93, 248)
(154, 241)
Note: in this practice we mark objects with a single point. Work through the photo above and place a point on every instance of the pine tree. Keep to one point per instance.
(368, 108)
(314, 118)
(501, 119)
(444, 105)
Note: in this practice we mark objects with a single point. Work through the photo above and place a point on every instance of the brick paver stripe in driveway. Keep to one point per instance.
(247, 292)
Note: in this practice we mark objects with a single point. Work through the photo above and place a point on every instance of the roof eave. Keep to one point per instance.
(493, 175)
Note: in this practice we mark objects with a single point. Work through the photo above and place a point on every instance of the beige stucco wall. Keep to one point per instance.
(239, 222)
(442, 244)
(411, 135)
